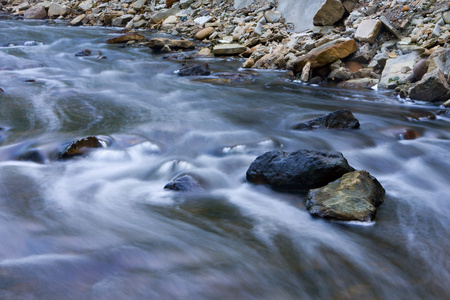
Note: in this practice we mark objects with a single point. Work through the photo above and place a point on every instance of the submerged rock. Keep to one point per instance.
(353, 197)
(197, 70)
(340, 119)
(80, 147)
(185, 183)
(297, 171)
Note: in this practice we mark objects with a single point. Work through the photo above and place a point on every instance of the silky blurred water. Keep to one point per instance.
(103, 227)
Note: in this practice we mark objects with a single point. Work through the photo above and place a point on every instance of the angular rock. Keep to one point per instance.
(35, 12)
(393, 73)
(298, 171)
(329, 13)
(77, 20)
(157, 44)
(169, 3)
(358, 84)
(204, 33)
(86, 5)
(122, 20)
(139, 4)
(368, 31)
(56, 10)
(326, 54)
(353, 197)
(272, 16)
(80, 147)
(184, 183)
(432, 87)
(186, 3)
(132, 36)
(197, 70)
(169, 23)
(229, 49)
(391, 28)
(340, 119)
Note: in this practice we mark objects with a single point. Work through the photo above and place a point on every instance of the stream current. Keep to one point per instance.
(103, 227)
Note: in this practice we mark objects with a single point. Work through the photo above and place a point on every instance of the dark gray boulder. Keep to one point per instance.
(297, 171)
(340, 119)
(197, 70)
(185, 183)
(353, 197)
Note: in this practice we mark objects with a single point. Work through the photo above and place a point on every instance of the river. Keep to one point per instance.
(103, 227)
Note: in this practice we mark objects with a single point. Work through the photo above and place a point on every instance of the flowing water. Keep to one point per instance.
(103, 227)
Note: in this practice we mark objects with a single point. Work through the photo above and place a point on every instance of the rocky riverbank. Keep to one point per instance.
(397, 45)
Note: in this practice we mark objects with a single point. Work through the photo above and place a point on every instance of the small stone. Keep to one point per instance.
(184, 183)
(204, 52)
(204, 33)
(80, 147)
(84, 52)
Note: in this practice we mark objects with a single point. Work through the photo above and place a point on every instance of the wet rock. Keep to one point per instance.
(80, 147)
(326, 54)
(229, 78)
(35, 12)
(56, 10)
(197, 70)
(432, 87)
(358, 84)
(297, 171)
(340, 119)
(402, 133)
(157, 44)
(421, 116)
(444, 113)
(228, 49)
(84, 52)
(204, 52)
(124, 38)
(353, 197)
(185, 183)
(329, 13)
(368, 31)
(2, 90)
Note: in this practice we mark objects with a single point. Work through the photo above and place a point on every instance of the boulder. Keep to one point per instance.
(353, 197)
(297, 171)
(77, 21)
(326, 54)
(132, 36)
(184, 183)
(229, 49)
(272, 16)
(358, 84)
(56, 10)
(197, 70)
(394, 72)
(121, 21)
(432, 87)
(157, 44)
(204, 33)
(80, 147)
(86, 5)
(340, 119)
(329, 13)
(139, 4)
(35, 12)
(368, 31)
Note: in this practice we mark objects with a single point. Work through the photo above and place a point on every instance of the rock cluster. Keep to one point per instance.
(398, 44)
(336, 190)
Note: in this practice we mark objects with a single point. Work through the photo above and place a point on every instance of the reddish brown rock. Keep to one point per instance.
(326, 54)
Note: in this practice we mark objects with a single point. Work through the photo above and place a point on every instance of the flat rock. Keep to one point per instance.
(368, 31)
(326, 54)
(132, 36)
(297, 171)
(340, 119)
(353, 197)
(35, 12)
(77, 20)
(329, 13)
(204, 33)
(431, 88)
(229, 49)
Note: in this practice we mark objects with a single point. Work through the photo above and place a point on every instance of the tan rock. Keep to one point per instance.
(157, 44)
(124, 38)
(204, 52)
(326, 54)
(204, 33)
(35, 12)
(329, 13)
(368, 31)
(229, 49)
(77, 20)
(249, 63)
